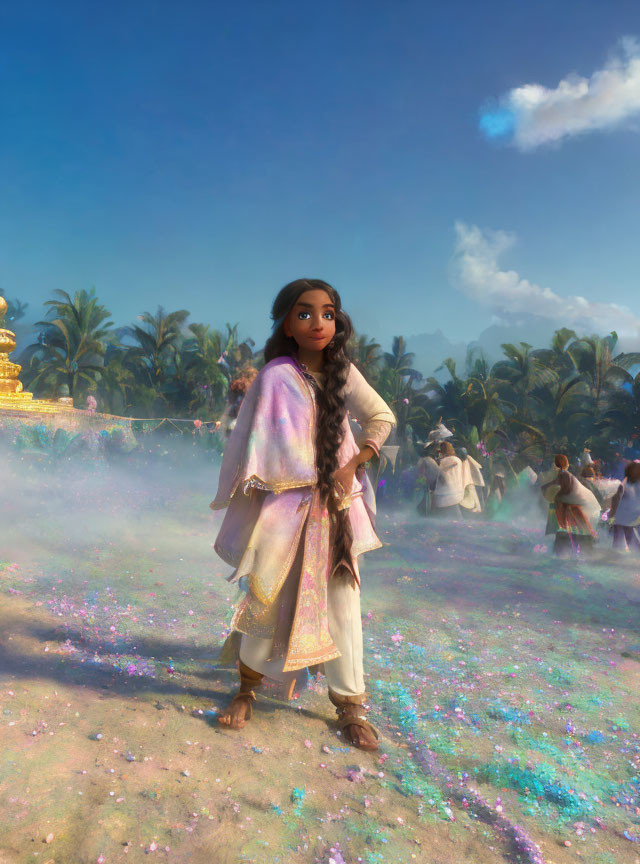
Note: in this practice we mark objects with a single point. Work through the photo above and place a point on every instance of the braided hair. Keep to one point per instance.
(331, 400)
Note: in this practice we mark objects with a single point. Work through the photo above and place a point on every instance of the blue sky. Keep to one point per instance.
(200, 155)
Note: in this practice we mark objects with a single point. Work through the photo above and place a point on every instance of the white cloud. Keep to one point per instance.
(532, 115)
(478, 273)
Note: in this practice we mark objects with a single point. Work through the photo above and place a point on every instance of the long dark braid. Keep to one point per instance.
(331, 401)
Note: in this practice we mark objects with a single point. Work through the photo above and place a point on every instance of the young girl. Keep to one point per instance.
(625, 510)
(572, 513)
(301, 509)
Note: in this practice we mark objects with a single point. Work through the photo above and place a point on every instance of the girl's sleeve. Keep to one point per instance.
(369, 409)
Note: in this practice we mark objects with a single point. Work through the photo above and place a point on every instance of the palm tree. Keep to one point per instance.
(397, 376)
(72, 344)
(15, 309)
(400, 360)
(207, 376)
(622, 416)
(365, 355)
(486, 411)
(448, 399)
(611, 387)
(594, 358)
(559, 357)
(477, 364)
(235, 354)
(117, 390)
(156, 344)
(520, 378)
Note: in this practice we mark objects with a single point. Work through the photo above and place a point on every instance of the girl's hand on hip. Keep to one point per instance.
(343, 479)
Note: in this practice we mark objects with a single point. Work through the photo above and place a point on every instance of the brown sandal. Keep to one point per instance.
(248, 680)
(351, 713)
(348, 716)
(247, 699)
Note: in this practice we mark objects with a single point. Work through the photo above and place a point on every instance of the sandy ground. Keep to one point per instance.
(517, 675)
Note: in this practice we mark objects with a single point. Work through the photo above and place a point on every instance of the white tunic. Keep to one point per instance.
(628, 512)
(450, 484)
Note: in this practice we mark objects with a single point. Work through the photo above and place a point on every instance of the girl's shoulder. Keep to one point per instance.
(279, 367)
(280, 371)
(354, 372)
(355, 378)
(285, 368)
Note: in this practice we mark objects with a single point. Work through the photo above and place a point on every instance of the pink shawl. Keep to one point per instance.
(271, 446)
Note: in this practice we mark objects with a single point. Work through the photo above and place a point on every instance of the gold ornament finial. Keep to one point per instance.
(10, 386)
(12, 396)
(13, 399)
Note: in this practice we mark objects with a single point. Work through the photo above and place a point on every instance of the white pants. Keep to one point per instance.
(345, 674)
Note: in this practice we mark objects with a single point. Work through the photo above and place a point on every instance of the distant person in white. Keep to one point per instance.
(625, 510)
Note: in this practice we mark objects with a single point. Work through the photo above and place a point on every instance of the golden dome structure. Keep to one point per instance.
(10, 386)
(19, 409)
(12, 396)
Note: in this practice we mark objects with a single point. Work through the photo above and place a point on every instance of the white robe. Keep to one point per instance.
(475, 470)
(582, 497)
(472, 479)
(628, 512)
(607, 487)
(451, 484)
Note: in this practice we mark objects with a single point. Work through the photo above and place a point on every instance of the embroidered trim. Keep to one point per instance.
(234, 560)
(276, 488)
(254, 483)
(311, 660)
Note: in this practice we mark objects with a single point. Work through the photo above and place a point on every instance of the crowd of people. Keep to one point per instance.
(582, 503)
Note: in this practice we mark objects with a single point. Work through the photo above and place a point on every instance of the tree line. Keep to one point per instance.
(579, 391)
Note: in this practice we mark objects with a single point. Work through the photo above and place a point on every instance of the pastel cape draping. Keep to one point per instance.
(271, 445)
(268, 483)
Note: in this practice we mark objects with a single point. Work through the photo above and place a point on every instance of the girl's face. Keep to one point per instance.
(312, 321)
